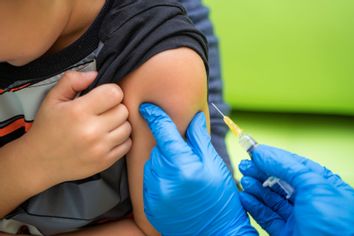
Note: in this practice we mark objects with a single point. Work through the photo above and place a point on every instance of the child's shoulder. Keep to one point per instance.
(133, 31)
(137, 17)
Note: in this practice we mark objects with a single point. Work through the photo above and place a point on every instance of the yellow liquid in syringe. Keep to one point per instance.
(247, 143)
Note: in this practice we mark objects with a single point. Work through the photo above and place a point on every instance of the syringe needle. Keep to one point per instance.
(248, 143)
(233, 127)
(218, 110)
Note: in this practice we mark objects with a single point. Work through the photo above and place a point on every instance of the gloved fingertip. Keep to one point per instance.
(266, 158)
(244, 165)
(198, 121)
(247, 182)
(257, 150)
(246, 200)
(146, 108)
(243, 195)
(197, 134)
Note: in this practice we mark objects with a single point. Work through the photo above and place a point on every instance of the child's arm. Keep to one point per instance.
(176, 81)
(71, 138)
(19, 178)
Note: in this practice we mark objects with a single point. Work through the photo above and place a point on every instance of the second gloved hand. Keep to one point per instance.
(323, 204)
(188, 190)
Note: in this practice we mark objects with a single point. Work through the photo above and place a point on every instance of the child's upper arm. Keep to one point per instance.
(176, 81)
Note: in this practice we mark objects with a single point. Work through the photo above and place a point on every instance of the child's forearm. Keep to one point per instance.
(123, 227)
(20, 177)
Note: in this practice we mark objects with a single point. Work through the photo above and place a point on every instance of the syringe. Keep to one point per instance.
(248, 143)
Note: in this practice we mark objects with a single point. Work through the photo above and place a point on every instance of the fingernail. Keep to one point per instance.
(89, 74)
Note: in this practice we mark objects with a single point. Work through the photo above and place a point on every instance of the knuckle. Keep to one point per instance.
(68, 75)
(76, 111)
(129, 144)
(98, 151)
(88, 134)
(114, 92)
(123, 110)
(67, 78)
(120, 151)
(127, 127)
(126, 147)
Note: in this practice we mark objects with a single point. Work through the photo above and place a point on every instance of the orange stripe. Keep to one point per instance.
(17, 124)
(28, 125)
(15, 89)
(18, 88)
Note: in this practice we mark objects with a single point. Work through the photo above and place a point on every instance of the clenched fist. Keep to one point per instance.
(76, 137)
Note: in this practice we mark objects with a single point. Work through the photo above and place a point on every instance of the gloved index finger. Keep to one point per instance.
(282, 164)
(332, 178)
(168, 139)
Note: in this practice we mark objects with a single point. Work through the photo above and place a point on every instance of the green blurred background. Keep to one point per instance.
(288, 70)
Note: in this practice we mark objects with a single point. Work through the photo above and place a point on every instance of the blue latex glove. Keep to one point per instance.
(188, 189)
(323, 204)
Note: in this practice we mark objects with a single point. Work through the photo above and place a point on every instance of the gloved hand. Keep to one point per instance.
(323, 204)
(188, 189)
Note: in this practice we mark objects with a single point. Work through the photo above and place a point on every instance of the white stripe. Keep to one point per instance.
(27, 101)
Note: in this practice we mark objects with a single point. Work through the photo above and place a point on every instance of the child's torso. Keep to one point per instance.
(19, 104)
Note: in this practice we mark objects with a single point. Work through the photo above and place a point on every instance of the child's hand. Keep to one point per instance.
(74, 138)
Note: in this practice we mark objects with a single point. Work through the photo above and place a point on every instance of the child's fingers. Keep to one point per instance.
(119, 151)
(70, 84)
(101, 99)
(115, 117)
(120, 135)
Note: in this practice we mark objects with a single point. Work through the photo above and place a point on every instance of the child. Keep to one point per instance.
(68, 170)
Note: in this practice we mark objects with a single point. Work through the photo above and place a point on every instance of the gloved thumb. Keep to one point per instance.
(71, 84)
(197, 134)
(168, 139)
(284, 165)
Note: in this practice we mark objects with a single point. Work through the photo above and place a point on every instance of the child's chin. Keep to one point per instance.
(18, 62)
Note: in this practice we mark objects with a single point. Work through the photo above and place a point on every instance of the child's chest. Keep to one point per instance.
(19, 104)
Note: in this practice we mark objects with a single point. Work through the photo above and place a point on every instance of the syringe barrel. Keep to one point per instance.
(247, 142)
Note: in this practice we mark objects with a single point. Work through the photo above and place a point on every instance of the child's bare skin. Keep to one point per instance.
(30, 29)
